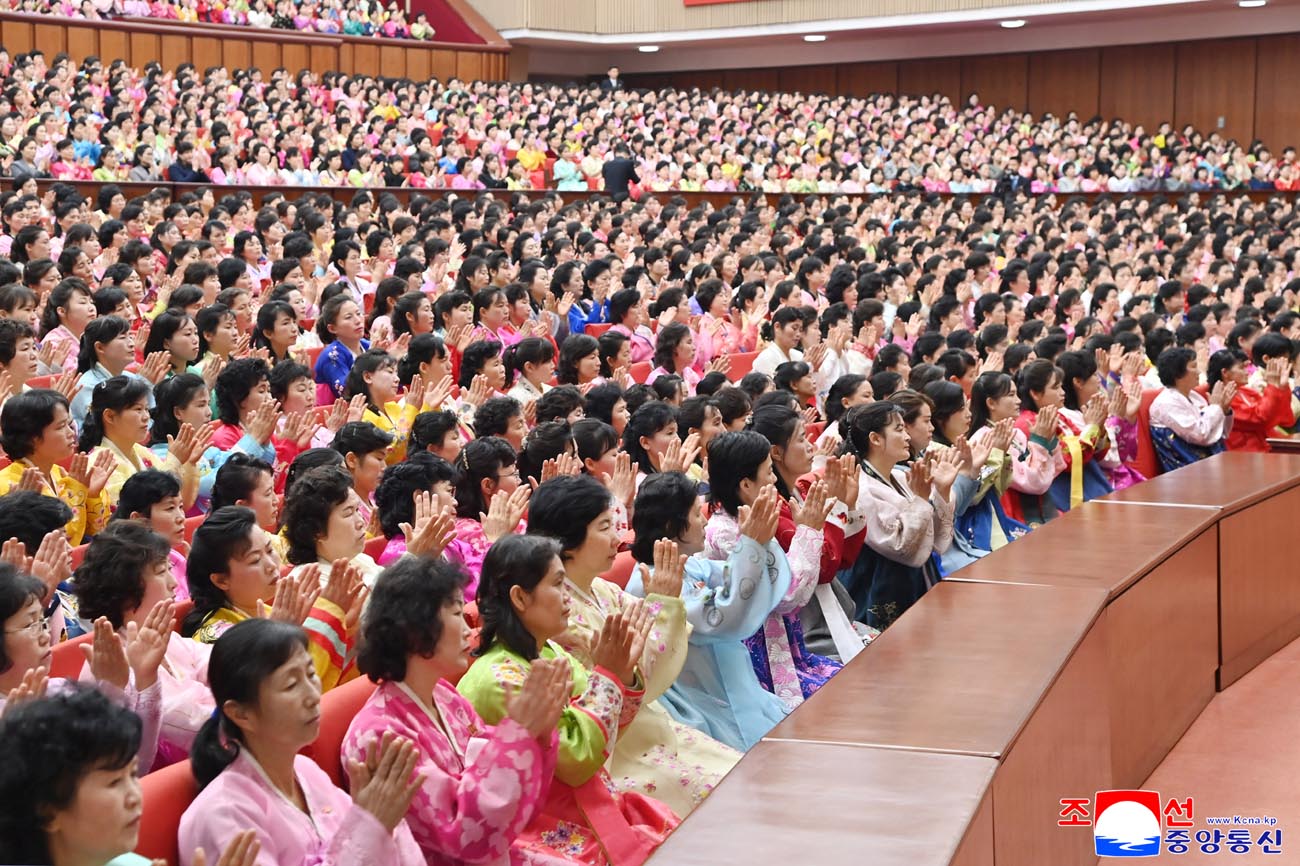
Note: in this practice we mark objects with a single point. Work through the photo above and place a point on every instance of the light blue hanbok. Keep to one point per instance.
(718, 691)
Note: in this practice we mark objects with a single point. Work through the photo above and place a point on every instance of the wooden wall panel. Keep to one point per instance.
(1216, 79)
(50, 38)
(927, 77)
(173, 50)
(365, 59)
(1065, 81)
(1001, 80)
(807, 79)
(442, 65)
(469, 65)
(324, 58)
(18, 37)
(391, 57)
(295, 56)
(750, 79)
(862, 79)
(113, 44)
(207, 52)
(1277, 111)
(236, 53)
(83, 42)
(1137, 83)
(143, 47)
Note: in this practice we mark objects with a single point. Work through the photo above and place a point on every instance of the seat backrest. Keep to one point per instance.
(375, 546)
(640, 371)
(193, 523)
(1146, 461)
(68, 659)
(167, 794)
(595, 329)
(621, 571)
(338, 707)
(741, 363)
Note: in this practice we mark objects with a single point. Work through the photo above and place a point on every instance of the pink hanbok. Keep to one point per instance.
(482, 785)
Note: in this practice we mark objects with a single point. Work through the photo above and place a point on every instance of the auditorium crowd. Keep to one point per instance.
(595, 490)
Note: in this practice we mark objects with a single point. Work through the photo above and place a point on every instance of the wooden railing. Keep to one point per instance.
(1066, 663)
(172, 43)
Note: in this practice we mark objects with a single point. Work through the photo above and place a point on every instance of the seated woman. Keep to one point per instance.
(175, 333)
(421, 483)
(249, 482)
(324, 524)
(277, 330)
(365, 450)
(340, 327)
(909, 514)
(530, 365)
(1039, 385)
(579, 362)
(374, 378)
(116, 424)
(474, 800)
(182, 400)
(654, 754)
(490, 503)
(950, 419)
(481, 368)
(250, 774)
(718, 690)
(650, 439)
(233, 568)
(69, 307)
(675, 355)
(37, 434)
(1186, 427)
(123, 578)
(1255, 413)
(827, 619)
(129, 682)
(1001, 456)
(607, 403)
(218, 334)
(153, 498)
(740, 469)
(107, 347)
(70, 777)
(1085, 434)
(522, 601)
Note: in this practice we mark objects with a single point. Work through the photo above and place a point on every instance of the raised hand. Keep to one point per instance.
(1045, 423)
(436, 394)
(262, 425)
(342, 586)
(433, 529)
(181, 446)
(1222, 395)
(670, 568)
(919, 479)
(33, 480)
(680, 454)
(460, 336)
(759, 521)
(386, 783)
(67, 383)
(212, 368)
(155, 367)
(943, 471)
(1094, 411)
(994, 363)
(536, 705)
(107, 656)
(816, 507)
(146, 644)
(618, 647)
(720, 364)
(242, 851)
(622, 484)
(52, 563)
(504, 512)
(1277, 371)
(479, 391)
(558, 467)
(30, 689)
(294, 598)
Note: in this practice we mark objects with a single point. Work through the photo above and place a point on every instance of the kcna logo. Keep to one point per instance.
(1128, 824)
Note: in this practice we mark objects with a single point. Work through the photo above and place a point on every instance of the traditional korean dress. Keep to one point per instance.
(718, 690)
(328, 642)
(1185, 429)
(655, 755)
(332, 832)
(584, 819)
(482, 785)
(781, 659)
(1035, 463)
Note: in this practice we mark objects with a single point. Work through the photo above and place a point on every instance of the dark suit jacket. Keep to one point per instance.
(618, 173)
(611, 85)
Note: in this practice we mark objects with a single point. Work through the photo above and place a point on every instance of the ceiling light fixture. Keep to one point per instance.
(814, 37)
(648, 49)
(1013, 23)
(1252, 4)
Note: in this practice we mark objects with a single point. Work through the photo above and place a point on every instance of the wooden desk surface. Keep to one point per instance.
(1231, 481)
(1094, 545)
(828, 805)
(962, 671)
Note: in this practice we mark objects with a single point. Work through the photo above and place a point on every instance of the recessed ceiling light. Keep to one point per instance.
(1252, 4)
(648, 49)
(814, 37)
(1013, 23)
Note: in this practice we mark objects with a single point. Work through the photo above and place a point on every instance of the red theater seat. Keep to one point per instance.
(640, 371)
(621, 571)
(1146, 461)
(741, 363)
(167, 794)
(338, 707)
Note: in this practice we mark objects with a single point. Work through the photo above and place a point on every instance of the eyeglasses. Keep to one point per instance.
(32, 629)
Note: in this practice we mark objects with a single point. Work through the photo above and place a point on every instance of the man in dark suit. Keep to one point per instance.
(611, 81)
(619, 171)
